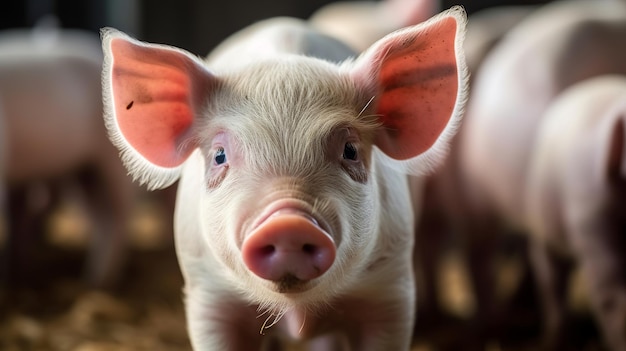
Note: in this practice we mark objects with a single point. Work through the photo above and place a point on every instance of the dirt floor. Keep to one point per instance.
(57, 311)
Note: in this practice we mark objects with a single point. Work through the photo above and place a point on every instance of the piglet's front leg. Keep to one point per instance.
(221, 321)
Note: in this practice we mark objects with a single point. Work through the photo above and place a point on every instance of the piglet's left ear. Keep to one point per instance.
(153, 95)
(419, 79)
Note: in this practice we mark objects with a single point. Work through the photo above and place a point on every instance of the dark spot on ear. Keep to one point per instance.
(142, 94)
(129, 106)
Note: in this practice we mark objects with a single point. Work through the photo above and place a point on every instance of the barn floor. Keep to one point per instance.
(59, 312)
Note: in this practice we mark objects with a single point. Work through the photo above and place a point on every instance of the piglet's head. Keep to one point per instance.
(287, 142)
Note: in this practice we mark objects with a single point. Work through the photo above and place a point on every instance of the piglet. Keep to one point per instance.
(294, 217)
(576, 200)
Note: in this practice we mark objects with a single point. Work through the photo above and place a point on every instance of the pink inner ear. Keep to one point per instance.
(419, 79)
(156, 92)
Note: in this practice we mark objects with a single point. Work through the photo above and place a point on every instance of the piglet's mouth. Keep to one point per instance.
(288, 247)
(290, 284)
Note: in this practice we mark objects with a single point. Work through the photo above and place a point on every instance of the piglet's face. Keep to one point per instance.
(288, 168)
(288, 200)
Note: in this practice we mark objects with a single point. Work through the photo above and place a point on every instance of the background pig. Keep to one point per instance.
(360, 23)
(291, 212)
(576, 202)
(50, 93)
(555, 47)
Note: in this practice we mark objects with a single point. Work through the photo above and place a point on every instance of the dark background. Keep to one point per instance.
(195, 25)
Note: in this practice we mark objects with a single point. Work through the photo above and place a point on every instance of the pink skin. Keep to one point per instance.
(50, 92)
(294, 217)
(576, 201)
(516, 83)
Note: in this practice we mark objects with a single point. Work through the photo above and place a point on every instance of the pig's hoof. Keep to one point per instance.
(288, 249)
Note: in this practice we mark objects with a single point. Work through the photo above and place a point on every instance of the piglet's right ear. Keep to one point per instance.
(152, 95)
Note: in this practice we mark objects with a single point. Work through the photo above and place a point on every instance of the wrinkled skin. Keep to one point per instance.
(557, 46)
(294, 219)
(576, 203)
(53, 137)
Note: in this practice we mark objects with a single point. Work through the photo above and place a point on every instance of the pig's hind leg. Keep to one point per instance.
(551, 272)
(603, 265)
(110, 196)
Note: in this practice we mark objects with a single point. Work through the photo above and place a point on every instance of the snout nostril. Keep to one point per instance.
(309, 248)
(267, 250)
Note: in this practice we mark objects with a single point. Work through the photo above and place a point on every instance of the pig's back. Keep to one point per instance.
(520, 78)
(51, 99)
(271, 37)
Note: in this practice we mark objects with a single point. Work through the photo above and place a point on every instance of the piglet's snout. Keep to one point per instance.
(288, 246)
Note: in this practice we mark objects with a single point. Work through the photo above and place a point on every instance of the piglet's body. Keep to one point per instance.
(576, 201)
(293, 221)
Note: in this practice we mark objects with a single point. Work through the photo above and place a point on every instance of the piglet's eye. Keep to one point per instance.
(350, 152)
(220, 156)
